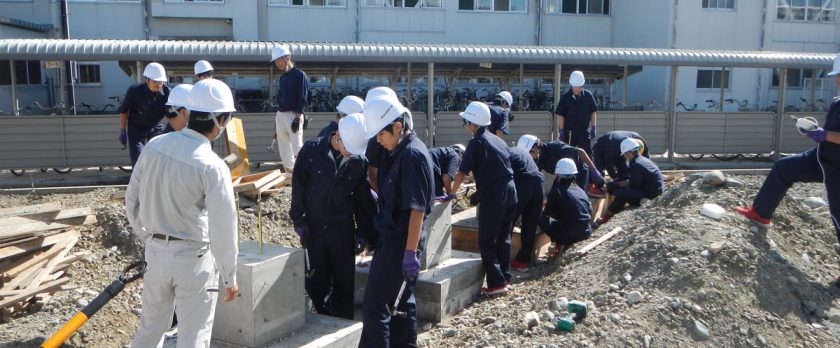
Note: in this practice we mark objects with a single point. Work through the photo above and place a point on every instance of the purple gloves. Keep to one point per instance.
(123, 137)
(595, 176)
(361, 244)
(374, 195)
(446, 198)
(562, 135)
(818, 135)
(410, 265)
(301, 232)
(592, 132)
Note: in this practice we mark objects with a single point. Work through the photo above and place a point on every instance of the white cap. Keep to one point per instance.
(628, 145)
(155, 72)
(353, 133)
(351, 104)
(507, 97)
(279, 52)
(836, 69)
(380, 91)
(477, 113)
(211, 95)
(180, 95)
(576, 79)
(527, 142)
(380, 112)
(202, 66)
(565, 167)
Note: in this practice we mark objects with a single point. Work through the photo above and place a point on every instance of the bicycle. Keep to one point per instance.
(743, 105)
(818, 105)
(685, 108)
(713, 105)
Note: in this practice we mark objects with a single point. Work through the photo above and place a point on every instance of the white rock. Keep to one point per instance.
(546, 315)
(532, 319)
(615, 318)
(805, 257)
(753, 229)
(633, 297)
(648, 340)
(628, 277)
(563, 302)
(714, 178)
(712, 210)
(834, 318)
(450, 332)
(700, 331)
(716, 247)
(814, 202)
(81, 303)
(705, 253)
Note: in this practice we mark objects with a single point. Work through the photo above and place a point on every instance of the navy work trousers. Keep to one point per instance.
(137, 139)
(529, 196)
(331, 251)
(495, 223)
(379, 328)
(579, 137)
(566, 234)
(623, 197)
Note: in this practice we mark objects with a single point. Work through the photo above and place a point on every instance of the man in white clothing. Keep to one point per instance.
(180, 202)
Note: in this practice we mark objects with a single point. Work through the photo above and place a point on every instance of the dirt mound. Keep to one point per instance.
(674, 277)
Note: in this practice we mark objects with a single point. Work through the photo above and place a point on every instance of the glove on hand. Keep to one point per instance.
(411, 264)
(593, 132)
(445, 198)
(595, 176)
(562, 135)
(818, 135)
(301, 232)
(374, 195)
(361, 244)
(123, 137)
(296, 124)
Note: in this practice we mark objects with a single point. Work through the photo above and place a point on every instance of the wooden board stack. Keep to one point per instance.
(262, 184)
(35, 245)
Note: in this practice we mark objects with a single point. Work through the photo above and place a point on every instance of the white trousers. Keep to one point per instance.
(288, 142)
(178, 275)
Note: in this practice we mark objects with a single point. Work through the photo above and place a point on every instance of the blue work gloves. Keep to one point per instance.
(562, 135)
(410, 265)
(446, 198)
(819, 135)
(123, 137)
(374, 195)
(361, 244)
(592, 132)
(301, 232)
(595, 176)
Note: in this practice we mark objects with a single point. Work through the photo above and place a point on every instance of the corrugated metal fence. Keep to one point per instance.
(90, 141)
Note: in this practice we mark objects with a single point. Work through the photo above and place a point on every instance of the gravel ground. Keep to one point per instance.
(661, 282)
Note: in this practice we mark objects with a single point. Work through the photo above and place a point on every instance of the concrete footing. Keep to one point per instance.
(321, 331)
(438, 247)
(465, 236)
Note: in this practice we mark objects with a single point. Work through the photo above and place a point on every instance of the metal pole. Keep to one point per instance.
(138, 72)
(672, 114)
(408, 87)
(624, 95)
(430, 125)
(723, 85)
(15, 105)
(780, 112)
(521, 84)
(814, 88)
(271, 83)
(557, 69)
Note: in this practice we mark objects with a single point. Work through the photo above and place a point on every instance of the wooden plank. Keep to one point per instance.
(69, 260)
(26, 276)
(235, 134)
(30, 209)
(590, 246)
(47, 216)
(25, 238)
(36, 226)
(22, 295)
(12, 272)
(254, 181)
(45, 272)
(269, 186)
(36, 244)
(466, 219)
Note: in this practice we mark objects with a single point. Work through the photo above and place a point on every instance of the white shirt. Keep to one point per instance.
(181, 188)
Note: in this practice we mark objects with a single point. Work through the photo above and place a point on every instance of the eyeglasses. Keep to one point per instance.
(465, 122)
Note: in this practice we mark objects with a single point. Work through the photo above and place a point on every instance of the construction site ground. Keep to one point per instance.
(671, 278)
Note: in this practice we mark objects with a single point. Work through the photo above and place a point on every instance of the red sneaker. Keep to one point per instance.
(750, 213)
(495, 291)
(595, 192)
(519, 266)
(605, 219)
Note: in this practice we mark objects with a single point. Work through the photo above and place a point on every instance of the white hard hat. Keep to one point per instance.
(577, 80)
(155, 72)
(202, 66)
(380, 112)
(836, 69)
(351, 104)
(380, 91)
(353, 133)
(477, 113)
(565, 167)
(628, 145)
(506, 96)
(527, 142)
(180, 95)
(211, 95)
(459, 147)
(279, 52)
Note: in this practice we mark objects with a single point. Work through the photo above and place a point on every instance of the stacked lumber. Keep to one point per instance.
(261, 184)
(35, 245)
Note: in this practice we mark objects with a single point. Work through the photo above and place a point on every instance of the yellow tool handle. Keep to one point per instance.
(64, 333)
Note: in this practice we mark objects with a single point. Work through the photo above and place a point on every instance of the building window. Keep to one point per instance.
(799, 78)
(220, 1)
(712, 78)
(309, 3)
(27, 72)
(404, 3)
(494, 5)
(88, 73)
(726, 4)
(601, 7)
(104, 0)
(805, 10)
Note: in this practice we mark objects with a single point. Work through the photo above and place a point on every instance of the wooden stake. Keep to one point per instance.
(594, 244)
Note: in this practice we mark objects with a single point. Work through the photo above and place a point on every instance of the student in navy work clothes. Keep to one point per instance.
(576, 112)
(445, 162)
(374, 150)
(821, 163)
(567, 211)
(606, 153)
(529, 194)
(292, 97)
(500, 114)
(142, 109)
(177, 114)
(547, 155)
(406, 197)
(331, 209)
(351, 104)
(488, 159)
(644, 181)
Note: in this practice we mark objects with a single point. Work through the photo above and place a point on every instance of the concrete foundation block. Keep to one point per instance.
(271, 297)
(438, 246)
(322, 331)
(465, 236)
(442, 290)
